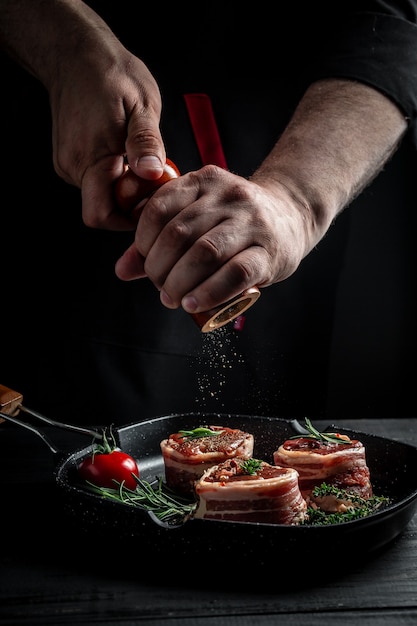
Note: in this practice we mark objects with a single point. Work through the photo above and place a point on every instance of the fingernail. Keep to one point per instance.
(148, 164)
(189, 304)
(165, 298)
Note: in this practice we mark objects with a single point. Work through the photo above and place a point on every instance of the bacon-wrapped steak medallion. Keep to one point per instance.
(340, 462)
(188, 454)
(250, 491)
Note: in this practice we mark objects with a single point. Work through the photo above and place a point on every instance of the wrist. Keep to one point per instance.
(339, 138)
(44, 36)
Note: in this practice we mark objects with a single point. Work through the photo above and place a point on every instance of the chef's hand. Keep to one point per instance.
(100, 112)
(104, 101)
(210, 234)
(206, 236)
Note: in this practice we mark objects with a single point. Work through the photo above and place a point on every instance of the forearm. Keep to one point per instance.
(341, 135)
(42, 34)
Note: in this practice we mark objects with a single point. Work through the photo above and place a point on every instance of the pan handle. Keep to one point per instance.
(11, 404)
(35, 430)
(73, 427)
(299, 428)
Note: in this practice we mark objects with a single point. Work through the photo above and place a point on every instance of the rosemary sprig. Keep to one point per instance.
(360, 507)
(199, 432)
(168, 507)
(315, 434)
(164, 504)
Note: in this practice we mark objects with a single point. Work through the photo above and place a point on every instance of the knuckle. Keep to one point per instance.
(179, 232)
(155, 212)
(207, 251)
(240, 270)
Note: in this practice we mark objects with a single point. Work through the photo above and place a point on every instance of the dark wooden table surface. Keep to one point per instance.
(49, 576)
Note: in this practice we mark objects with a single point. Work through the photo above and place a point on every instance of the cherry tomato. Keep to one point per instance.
(102, 469)
(131, 190)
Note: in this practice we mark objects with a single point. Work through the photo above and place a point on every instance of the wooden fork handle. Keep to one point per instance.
(10, 401)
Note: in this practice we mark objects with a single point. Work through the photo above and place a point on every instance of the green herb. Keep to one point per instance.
(199, 432)
(169, 508)
(360, 507)
(106, 446)
(327, 437)
(161, 501)
(251, 466)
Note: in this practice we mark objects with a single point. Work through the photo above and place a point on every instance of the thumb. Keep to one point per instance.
(144, 146)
